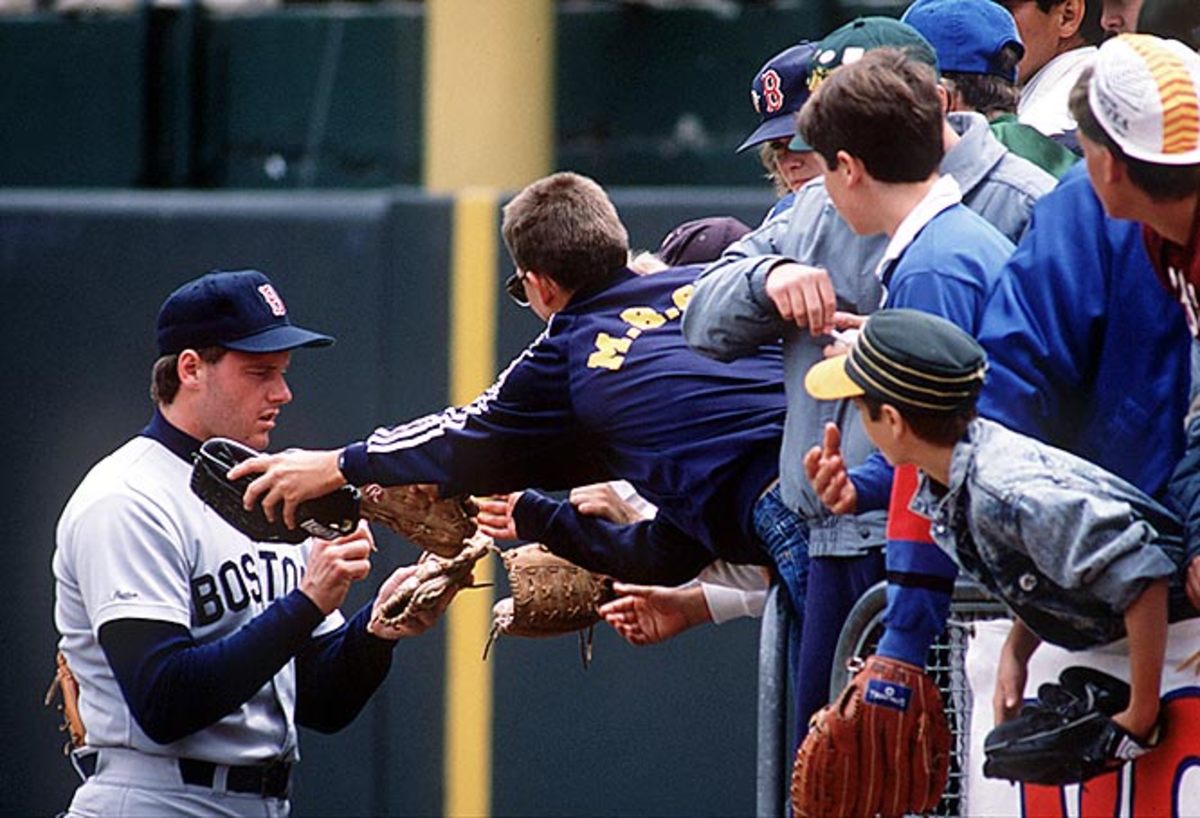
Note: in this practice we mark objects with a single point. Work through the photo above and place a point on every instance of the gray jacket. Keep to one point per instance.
(1066, 545)
(730, 314)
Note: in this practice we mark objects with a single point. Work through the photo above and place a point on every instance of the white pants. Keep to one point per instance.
(139, 785)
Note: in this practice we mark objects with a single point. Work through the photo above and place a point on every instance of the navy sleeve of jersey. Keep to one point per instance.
(174, 686)
(651, 551)
(872, 481)
(510, 437)
(338, 672)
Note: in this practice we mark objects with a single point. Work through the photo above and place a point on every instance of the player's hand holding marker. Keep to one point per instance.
(334, 565)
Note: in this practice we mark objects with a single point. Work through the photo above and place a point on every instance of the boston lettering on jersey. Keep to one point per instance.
(236, 583)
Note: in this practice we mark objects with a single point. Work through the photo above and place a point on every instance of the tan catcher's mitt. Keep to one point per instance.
(551, 596)
(881, 748)
(434, 579)
(416, 513)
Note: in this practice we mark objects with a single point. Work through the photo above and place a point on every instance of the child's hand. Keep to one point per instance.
(495, 515)
(1011, 674)
(1138, 724)
(827, 473)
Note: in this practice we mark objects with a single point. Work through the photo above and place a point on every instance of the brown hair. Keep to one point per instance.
(564, 226)
(164, 379)
(1162, 183)
(938, 428)
(989, 94)
(883, 110)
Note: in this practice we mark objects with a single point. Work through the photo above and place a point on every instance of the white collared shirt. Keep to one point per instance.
(1044, 102)
(945, 193)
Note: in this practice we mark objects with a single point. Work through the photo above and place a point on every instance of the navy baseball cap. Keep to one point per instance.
(238, 310)
(968, 35)
(700, 241)
(848, 43)
(778, 91)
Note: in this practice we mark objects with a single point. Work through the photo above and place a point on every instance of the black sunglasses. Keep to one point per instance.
(514, 285)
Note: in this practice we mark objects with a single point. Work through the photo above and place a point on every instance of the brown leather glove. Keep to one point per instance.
(881, 748)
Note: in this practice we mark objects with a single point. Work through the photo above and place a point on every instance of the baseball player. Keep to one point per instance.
(197, 651)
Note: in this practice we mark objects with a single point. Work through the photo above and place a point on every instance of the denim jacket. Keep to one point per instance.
(1066, 545)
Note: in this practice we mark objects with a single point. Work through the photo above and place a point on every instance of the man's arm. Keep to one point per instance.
(509, 437)
(337, 672)
(730, 315)
(175, 686)
(648, 552)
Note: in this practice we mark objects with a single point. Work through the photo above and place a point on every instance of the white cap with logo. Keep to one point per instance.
(1145, 93)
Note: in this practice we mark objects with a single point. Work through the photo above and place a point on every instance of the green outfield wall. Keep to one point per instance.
(329, 95)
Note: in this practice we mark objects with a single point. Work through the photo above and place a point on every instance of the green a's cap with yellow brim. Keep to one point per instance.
(910, 359)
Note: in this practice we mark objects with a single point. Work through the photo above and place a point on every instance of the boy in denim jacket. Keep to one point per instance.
(1079, 556)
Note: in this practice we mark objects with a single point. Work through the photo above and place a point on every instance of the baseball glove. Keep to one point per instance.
(328, 517)
(881, 748)
(1067, 735)
(435, 577)
(64, 684)
(551, 596)
(415, 513)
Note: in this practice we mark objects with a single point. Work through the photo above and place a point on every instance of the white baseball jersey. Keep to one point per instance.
(134, 542)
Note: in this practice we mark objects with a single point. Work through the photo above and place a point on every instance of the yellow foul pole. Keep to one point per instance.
(488, 127)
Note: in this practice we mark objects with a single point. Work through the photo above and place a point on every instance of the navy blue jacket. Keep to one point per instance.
(610, 390)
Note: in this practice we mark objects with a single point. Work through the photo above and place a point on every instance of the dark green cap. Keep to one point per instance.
(847, 44)
(910, 359)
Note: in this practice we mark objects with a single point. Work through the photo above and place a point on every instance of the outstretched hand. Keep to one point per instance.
(826, 470)
(495, 516)
(601, 500)
(649, 614)
(287, 479)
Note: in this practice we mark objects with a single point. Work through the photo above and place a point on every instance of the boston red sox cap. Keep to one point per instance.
(238, 310)
(779, 90)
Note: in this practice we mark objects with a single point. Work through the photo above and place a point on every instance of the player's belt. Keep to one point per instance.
(268, 780)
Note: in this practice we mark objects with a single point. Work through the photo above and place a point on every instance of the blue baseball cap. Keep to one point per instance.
(968, 35)
(238, 310)
(778, 91)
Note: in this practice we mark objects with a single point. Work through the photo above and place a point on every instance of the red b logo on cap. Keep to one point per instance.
(772, 96)
(273, 300)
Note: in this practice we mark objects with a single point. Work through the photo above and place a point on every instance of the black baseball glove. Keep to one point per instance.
(1067, 735)
(328, 517)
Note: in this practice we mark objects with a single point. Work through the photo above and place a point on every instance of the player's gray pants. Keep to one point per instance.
(130, 783)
